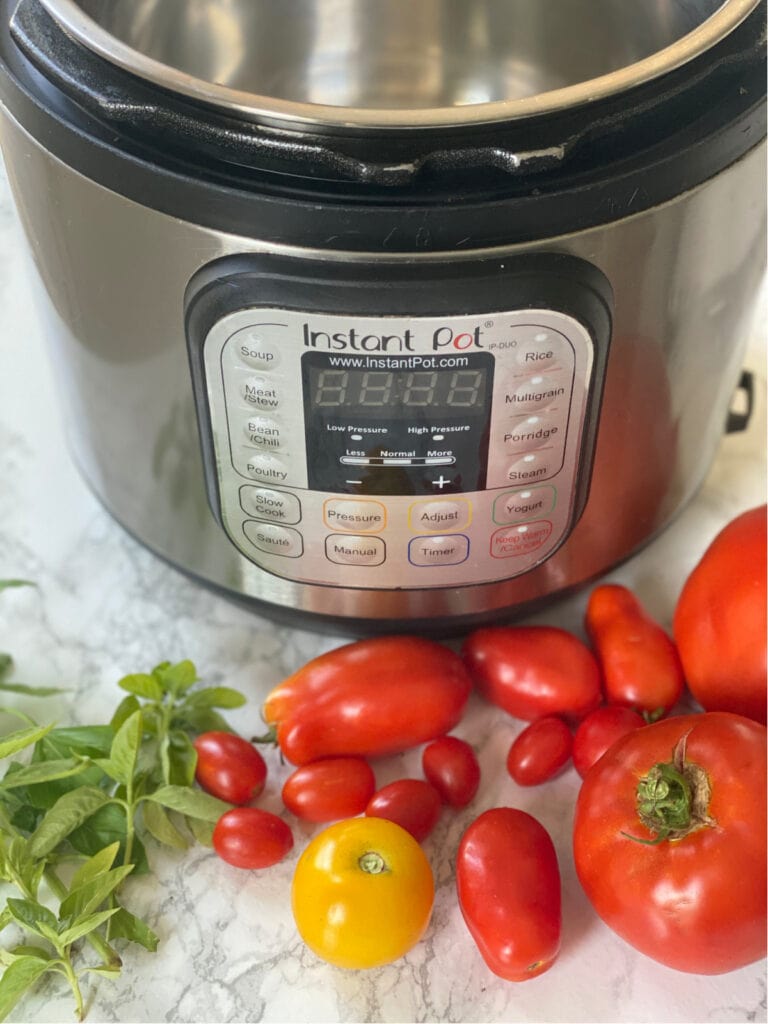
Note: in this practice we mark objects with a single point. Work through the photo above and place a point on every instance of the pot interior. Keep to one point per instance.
(398, 54)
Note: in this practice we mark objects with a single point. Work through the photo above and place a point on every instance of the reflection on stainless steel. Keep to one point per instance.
(397, 55)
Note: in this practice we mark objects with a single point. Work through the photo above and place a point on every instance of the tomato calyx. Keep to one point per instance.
(673, 798)
(372, 863)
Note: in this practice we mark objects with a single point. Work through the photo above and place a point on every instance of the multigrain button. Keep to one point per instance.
(513, 541)
(275, 540)
(513, 506)
(268, 503)
(439, 516)
(263, 432)
(346, 549)
(450, 550)
(254, 347)
(540, 391)
(260, 393)
(354, 516)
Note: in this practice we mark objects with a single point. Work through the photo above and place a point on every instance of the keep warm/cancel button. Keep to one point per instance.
(520, 540)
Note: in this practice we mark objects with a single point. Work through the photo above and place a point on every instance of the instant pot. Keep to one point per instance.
(382, 314)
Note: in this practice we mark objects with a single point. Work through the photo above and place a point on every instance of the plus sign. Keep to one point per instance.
(441, 482)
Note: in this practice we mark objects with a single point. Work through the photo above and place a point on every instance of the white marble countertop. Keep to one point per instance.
(104, 606)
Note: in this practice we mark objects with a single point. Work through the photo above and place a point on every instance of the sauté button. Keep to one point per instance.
(276, 540)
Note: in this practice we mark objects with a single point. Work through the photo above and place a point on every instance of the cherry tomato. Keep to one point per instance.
(599, 731)
(413, 804)
(229, 767)
(362, 893)
(508, 883)
(368, 699)
(720, 620)
(670, 841)
(247, 837)
(532, 671)
(338, 787)
(640, 664)
(540, 751)
(451, 765)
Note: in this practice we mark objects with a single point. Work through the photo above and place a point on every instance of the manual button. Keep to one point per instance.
(275, 540)
(345, 549)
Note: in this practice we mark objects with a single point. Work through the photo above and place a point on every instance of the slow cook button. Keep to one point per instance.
(513, 506)
(260, 393)
(275, 540)
(346, 549)
(265, 467)
(513, 541)
(534, 466)
(450, 550)
(263, 432)
(267, 503)
(533, 432)
(354, 516)
(254, 347)
(439, 516)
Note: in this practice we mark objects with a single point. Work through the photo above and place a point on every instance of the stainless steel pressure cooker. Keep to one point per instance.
(383, 314)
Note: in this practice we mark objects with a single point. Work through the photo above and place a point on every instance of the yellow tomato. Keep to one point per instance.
(362, 893)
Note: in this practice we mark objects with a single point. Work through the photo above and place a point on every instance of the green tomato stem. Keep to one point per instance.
(372, 863)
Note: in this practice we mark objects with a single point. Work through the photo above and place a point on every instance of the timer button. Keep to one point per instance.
(267, 503)
(354, 516)
(254, 348)
(449, 550)
(513, 541)
(275, 540)
(439, 516)
(345, 549)
(263, 432)
(260, 393)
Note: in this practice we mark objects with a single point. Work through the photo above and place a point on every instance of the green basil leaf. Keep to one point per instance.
(31, 914)
(5, 918)
(6, 664)
(21, 738)
(43, 771)
(175, 679)
(68, 741)
(127, 706)
(84, 927)
(69, 811)
(87, 898)
(18, 979)
(193, 802)
(24, 867)
(142, 685)
(96, 865)
(125, 749)
(201, 830)
(25, 950)
(182, 759)
(124, 925)
(158, 824)
(103, 828)
(30, 691)
(200, 720)
(7, 584)
(215, 697)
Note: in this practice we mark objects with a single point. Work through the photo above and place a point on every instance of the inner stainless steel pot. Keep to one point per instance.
(398, 63)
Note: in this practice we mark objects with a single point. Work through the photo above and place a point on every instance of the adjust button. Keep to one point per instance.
(268, 503)
(275, 540)
(450, 550)
(354, 516)
(439, 516)
(346, 549)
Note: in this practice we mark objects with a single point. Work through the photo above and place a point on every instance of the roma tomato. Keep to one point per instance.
(413, 804)
(338, 787)
(599, 731)
(247, 837)
(451, 765)
(532, 671)
(670, 841)
(720, 620)
(540, 751)
(362, 893)
(508, 883)
(640, 664)
(368, 699)
(229, 767)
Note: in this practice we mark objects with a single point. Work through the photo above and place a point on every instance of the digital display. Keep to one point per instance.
(400, 392)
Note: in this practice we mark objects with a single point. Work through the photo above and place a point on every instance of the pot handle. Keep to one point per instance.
(738, 419)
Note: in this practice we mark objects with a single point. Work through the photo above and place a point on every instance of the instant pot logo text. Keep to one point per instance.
(354, 340)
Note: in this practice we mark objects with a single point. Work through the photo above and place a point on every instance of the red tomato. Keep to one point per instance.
(338, 787)
(720, 620)
(508, 883)
(229, 767)
(532, 671)
(599, 731)
(540, 751)
(451, 765)
(413, 804)
(640, 664)
(368, 699)
(694, 788)
(249, 838)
